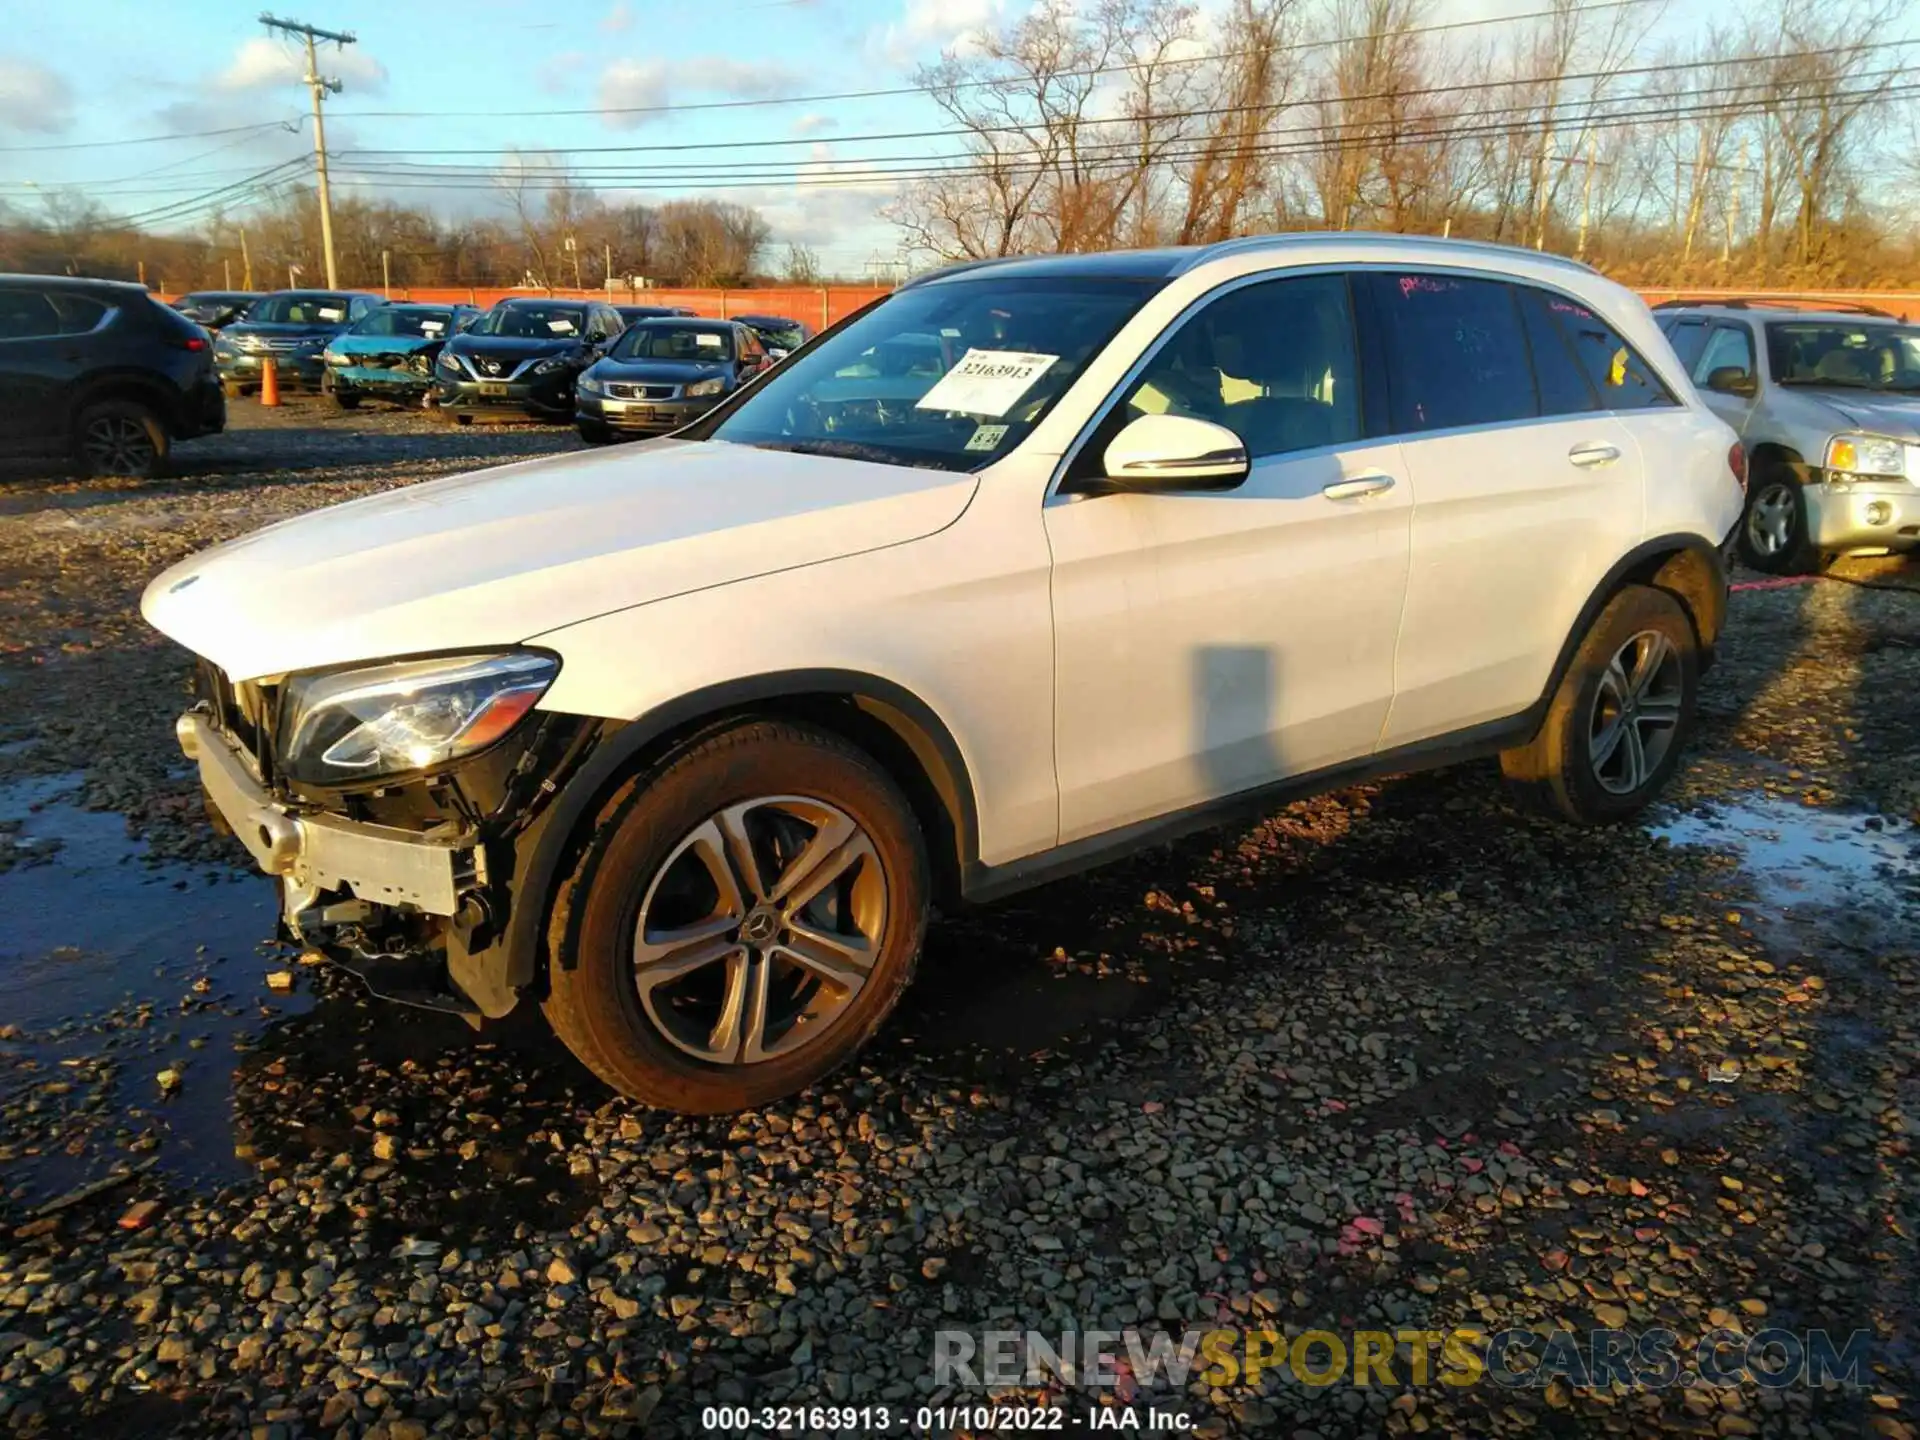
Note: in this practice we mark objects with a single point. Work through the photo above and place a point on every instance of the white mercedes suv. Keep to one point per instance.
(1030, 563)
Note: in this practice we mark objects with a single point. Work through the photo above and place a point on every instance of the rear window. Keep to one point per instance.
(27, 315)
(1458, 351)
(1619, 376)
(1562, 379)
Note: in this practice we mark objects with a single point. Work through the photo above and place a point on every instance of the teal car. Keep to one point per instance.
(389, 353)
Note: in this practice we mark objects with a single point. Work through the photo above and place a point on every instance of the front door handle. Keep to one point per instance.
(1358, 487)
(1588, 456)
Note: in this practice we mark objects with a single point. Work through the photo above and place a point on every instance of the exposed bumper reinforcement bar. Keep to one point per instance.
(377, 863)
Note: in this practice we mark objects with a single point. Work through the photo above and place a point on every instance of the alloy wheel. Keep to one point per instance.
(1770, 520)
(760, 928)
(1636, 712)
(117, 445)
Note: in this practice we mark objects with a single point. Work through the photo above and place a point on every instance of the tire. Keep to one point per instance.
(1773, 527)
(345, 399)
(595, 434)
(121, 438)
(463, 419)
(1569, 768)
(656, 864)
(231, 390)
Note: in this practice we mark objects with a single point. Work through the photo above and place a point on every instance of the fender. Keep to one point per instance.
(1643, 564)
(133, 384)
(544, 851)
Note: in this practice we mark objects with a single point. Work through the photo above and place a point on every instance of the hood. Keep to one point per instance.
(278, 331)
(1886, 412)
(517, 347)
(384, 344)
(678, 372)
(500, 556)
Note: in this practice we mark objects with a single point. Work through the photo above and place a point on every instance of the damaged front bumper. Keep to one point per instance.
(313, 853)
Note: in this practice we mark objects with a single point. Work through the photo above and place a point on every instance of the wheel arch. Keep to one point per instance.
(900, 731)
(1685, 565)
(132, 385)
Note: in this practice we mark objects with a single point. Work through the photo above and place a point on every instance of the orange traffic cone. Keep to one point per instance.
(269, 382)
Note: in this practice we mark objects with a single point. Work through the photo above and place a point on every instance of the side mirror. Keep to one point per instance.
(1175, 452)
(1733, 380)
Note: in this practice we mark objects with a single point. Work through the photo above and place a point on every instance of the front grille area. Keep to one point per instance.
(642, 392)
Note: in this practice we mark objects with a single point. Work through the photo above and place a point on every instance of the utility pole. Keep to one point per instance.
(386, 276)
(246, 262)
(320, 85)
(608, 272)
(1733, 207)
(226, 271)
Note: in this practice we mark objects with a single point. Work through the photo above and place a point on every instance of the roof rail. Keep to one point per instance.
(1778, 302)
(1282, 239)
(959, 267)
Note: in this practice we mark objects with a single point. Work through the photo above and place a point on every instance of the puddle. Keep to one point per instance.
(114, 968)
(1823, 878)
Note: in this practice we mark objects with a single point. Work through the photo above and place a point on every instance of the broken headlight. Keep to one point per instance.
(348, 726)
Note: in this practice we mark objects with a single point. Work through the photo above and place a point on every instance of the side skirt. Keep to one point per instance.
(993, 882)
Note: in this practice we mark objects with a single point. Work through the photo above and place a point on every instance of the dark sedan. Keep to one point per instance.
(521, 357)
(291, 328)
(663, 373)
(634, 314)
(389, 355)
(780, 335)
(214, 309)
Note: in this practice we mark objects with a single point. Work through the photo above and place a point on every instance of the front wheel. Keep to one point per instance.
(345, 399)
(742, 921)
(594, 434)
(1616, 726)
(1773, 529)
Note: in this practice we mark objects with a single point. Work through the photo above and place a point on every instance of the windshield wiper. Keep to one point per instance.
(845, 449)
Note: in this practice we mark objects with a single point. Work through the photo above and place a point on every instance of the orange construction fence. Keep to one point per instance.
(820, 305)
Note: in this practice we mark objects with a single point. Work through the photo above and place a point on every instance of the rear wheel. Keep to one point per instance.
(1773, 530)
(1615, 728)
(742, 921)
(121, 437)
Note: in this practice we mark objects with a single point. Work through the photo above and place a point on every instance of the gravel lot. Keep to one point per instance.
(1397, 1057)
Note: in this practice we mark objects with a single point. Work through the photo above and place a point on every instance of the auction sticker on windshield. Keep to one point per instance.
(986, 382)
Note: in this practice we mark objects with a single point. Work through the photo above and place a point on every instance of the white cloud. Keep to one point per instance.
(261, 63)
(619, 18)
(33, 98)
(927, 27)
(814, 125)
(647, 86)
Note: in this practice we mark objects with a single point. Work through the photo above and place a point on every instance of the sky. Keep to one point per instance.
(660, 73)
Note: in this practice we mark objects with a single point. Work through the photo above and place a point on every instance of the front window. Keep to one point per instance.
(412, 324)
(781, 338)
(1837, 355)
(651, 340)
(946, 375)
(533, 322)
(299, 310)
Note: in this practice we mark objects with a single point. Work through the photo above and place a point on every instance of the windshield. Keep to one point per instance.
(299, 310)
(532, 322)
(946, 375)
(1849, 357)
(781, 337)
(414, 324)
(651, 340)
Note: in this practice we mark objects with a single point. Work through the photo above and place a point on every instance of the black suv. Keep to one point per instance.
(101, 372)
(521, 357)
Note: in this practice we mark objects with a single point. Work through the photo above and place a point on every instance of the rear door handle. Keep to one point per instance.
(1358, 487)
(1588, 456)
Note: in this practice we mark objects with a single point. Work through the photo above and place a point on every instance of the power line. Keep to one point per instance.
(949, 131)
(853, 178)
(149, 139)
(895, 92)
(1125, 152)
